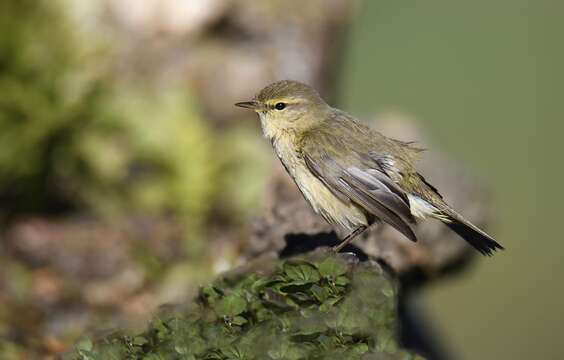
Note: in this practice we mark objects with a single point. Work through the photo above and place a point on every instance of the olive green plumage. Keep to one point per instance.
(349, 173)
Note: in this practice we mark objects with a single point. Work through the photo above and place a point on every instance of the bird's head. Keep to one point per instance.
(287, 107)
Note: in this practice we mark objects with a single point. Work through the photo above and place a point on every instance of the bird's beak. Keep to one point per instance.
(253, 105)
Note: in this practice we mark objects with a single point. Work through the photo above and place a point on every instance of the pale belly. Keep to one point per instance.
(322, 200)
(326, 204)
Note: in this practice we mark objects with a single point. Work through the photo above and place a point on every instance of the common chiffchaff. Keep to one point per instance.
(350, 174)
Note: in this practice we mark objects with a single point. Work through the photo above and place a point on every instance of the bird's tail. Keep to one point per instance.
(481, 241)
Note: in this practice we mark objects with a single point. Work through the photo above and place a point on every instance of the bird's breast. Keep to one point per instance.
(322, 200)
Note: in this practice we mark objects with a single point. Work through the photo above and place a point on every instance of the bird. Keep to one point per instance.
(352, 175)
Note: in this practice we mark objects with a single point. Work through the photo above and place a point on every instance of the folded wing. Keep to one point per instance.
(361, 180)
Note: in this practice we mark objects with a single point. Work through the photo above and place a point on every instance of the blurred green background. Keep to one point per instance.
(127, 177)
(484, 78)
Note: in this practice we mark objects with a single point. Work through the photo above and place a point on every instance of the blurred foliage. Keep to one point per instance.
(313, 307)
(72, 138)
(246, 160)
(132, 169)
(170, 162)
(48, 101)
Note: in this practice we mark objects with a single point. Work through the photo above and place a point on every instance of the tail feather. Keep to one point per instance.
(481, 241)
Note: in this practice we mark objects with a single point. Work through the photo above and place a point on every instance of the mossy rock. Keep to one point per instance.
(318, 306)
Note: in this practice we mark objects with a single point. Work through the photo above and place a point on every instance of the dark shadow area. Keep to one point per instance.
(302, 243)
(416, 330)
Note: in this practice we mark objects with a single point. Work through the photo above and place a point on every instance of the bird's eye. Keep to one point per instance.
(280, 106)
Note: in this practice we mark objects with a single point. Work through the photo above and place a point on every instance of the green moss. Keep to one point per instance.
(315, 307)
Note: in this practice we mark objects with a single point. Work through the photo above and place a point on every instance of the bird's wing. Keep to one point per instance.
(359, 178)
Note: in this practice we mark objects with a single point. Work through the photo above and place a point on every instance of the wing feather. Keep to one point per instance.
(365, 184)
(378, 186)
(378, 203)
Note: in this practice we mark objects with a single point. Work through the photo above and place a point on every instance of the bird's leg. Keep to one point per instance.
(350, 237)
